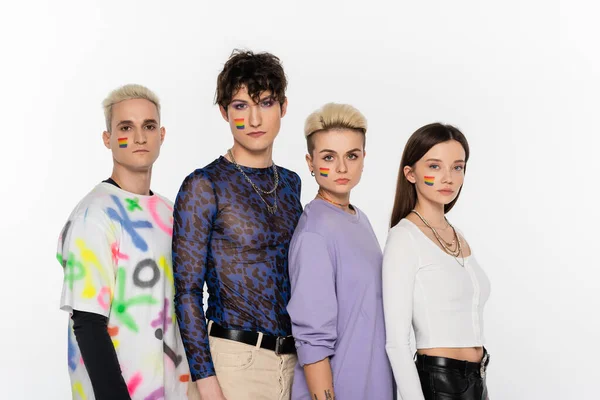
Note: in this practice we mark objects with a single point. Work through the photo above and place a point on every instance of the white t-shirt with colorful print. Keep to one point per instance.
(116, 254)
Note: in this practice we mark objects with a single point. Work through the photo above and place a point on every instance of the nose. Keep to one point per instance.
(255, 119)
(139, 136)
(447, 177)
(342, 167)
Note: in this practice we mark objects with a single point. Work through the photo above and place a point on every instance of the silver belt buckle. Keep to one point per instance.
(278, 344)
(482, 368)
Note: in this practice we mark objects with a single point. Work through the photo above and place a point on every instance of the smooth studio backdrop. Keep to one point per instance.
(520, 78)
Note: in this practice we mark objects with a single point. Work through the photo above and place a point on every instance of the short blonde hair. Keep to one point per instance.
(128, 92)
(333, 116)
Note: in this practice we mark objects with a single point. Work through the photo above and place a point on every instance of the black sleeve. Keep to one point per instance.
(99, 356)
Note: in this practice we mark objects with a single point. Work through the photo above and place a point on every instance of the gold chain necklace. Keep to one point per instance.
(323, 197)
(454, 253)
(271, 208)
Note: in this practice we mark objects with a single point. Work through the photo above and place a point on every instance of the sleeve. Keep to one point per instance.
(84, 250)
(99, 356)
(313, 303)
(400, 265)
(193, 214)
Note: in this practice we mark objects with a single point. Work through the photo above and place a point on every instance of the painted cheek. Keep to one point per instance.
(239, 123)
(324, 172)
(429, 180)
(122, 142)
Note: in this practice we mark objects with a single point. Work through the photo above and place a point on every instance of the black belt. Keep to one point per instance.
(278, 344)
(464, 366)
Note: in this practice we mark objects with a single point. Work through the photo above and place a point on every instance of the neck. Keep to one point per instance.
(137, 182)
(252, 159)
(340, 198)
(433, 213)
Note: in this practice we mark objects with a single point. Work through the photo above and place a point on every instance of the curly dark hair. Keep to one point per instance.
(257, 71)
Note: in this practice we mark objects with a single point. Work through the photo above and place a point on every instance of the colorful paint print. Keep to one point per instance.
(324, 172)
(239, 123)
(122, 142)
(429, 180)
(123, 270)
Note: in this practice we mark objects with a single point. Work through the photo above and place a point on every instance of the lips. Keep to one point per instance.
(256, 134)
(446, 192)
(141, 151)
(342, 181)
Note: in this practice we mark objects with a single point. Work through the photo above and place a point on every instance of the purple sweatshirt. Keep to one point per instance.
(336, 305)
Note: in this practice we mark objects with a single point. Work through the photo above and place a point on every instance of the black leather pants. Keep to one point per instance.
(448, 379)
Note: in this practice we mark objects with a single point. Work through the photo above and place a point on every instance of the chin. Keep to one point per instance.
(257, 145)
(339, 190)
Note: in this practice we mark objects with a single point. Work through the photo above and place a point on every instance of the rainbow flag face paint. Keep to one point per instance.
(239, 123)
(429, 180)
(122, 142)
(324, 172)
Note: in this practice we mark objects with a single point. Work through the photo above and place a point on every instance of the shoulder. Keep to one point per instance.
(198, 179)
(318, 218)
(289, 175)
(164, 199)
(402, 233)
(91, 215)
(95, 204)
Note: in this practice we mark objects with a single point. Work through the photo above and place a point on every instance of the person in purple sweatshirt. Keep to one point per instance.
(335, 263)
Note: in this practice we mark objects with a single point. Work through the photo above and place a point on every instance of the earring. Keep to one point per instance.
(312, 173)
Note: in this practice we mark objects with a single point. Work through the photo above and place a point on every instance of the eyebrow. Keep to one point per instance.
(333, 151)
(129, 122)
(269, 97)
(438, 160)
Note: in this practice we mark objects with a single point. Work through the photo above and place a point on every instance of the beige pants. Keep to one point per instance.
(250, 373)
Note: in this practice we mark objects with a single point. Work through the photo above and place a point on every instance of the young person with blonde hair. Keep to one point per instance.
(432, 283)
(335, 271)
(115, 251)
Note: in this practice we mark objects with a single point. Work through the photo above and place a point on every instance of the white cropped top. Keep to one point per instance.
(428, 290)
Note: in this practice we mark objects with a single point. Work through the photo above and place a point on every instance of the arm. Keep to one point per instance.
(313, 311)
(85, 253)
(193, 213)
(319, 376)
(99, 356)
(400, 264)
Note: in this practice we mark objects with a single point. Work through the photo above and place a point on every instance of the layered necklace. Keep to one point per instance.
(447, 247)
(271, 208)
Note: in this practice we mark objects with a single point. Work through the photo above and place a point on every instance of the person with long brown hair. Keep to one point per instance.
(431, 280)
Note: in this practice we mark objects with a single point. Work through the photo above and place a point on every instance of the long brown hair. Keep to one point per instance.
(417, 146)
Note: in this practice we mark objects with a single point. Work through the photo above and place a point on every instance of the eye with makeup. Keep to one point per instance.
(267, 103)
(328, 157)
(434, 166)
(459, 168)
(239, 105)
(353, 156)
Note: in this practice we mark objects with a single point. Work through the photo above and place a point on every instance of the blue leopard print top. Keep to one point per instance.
(224, 235)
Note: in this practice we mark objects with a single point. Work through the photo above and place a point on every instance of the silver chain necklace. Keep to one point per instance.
(271, 208)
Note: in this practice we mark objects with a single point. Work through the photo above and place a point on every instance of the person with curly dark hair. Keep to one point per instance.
(233, 222)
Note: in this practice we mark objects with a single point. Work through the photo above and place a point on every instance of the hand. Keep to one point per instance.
(210, 389)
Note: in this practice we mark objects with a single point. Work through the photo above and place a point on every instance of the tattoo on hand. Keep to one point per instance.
(328, 395)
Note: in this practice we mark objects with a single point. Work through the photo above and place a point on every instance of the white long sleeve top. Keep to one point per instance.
(426, 289)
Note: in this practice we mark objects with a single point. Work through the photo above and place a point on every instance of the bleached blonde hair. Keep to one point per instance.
(333, 116)
(128, 92)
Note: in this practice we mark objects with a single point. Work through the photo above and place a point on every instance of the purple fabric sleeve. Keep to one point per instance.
(313, 304)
